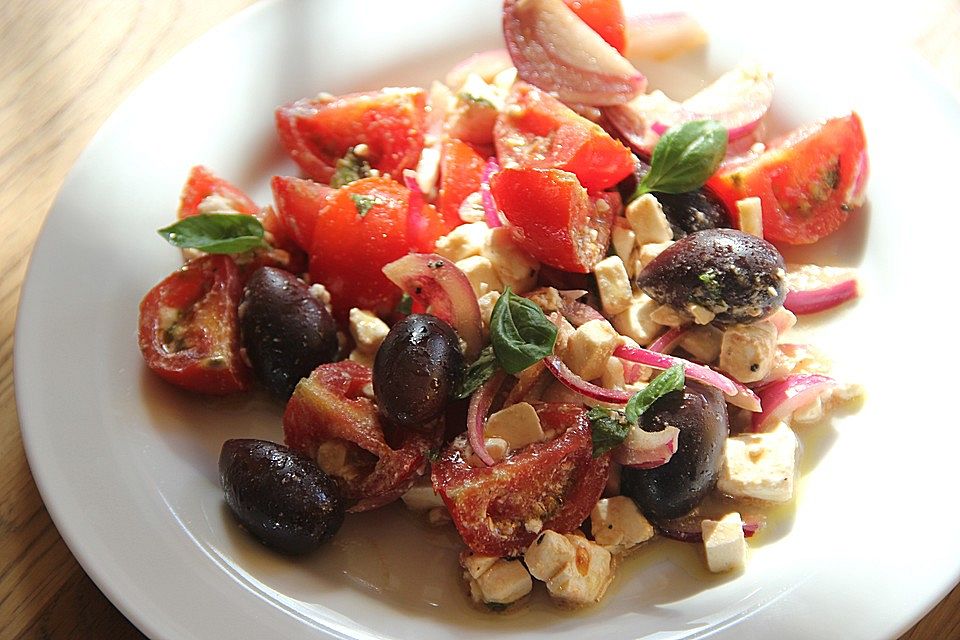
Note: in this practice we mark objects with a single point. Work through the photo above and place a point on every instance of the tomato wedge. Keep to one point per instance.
(808, 182)
(605, 17)
(317, 132)
(328, 414)
(557, 482)
(554, 218)
(536, 130)
(460, 170)
(189, 333)
(362, 228)
(299, 202)
(202, 183)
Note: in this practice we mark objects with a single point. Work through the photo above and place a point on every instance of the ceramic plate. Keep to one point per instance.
(127, 464)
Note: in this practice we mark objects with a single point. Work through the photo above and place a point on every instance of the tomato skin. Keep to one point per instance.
(808, 181)
(460, 170)
(605, 17)
(202, 183)
(204, 295)
(317, 132)
(558, 481)
(299, 203)
(554, 218)
(348, 251)
(330, 406)
(535, 130)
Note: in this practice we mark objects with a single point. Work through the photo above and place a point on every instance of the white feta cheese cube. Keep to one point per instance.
(618, 525)
(703, 343)
(476, 564)
(471, 209)
(513, 265)
(487, 302)
(518, 424)
(589, 348)
(650, 251)
(465, 241)
(648, 221)
(614, 285)
(624, 241)
(751, 216)
(506, 581)
(474, 111)
(496, 447)
(701, 315)
(613, 375)
(584, 580)
(481, 274)
(215, 203)
(548, 554)
(635, 322)
(747, 351)
(668, 316)
(438, 517)
(421, 497)
(361, 357)
(724, 544)
(368, 330)
(760, 465)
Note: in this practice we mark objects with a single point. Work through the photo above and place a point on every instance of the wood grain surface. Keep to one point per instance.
(65, 65)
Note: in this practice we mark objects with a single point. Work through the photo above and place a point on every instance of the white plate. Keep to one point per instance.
(127, 465)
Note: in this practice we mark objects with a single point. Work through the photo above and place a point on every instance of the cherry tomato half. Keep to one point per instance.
(299, 202)
(605, 17)
(460, 170)
(189, 332)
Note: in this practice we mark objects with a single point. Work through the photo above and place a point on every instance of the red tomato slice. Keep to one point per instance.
(362, 228)
(553, 218)
(189, 332)
(329, 407)
(317, 132)
(202, 183)
(808, 182)
(460, 171)
(536, 130)
(299, 203)
(557, 481)
(605, 17)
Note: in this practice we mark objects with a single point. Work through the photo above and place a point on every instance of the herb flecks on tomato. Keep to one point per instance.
(203, 183)
(536, 130)
(808, 182)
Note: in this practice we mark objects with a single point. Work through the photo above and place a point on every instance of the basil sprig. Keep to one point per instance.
(520, 333)
(685, 157)
(216, 233)
(481, 370)
(609, 428)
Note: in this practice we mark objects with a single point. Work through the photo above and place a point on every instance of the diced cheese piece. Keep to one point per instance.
(487, 302)
(481, 274)
(650, 251)
(438, 516)
(465, 241)
(635, 322)
(647, 220)
(724, 544)
(506, 581)
(584, 580)
(760, 465)
(618, 525)
(703, 343)
(428, 168)
(368, 330)
(549, 554)
(810, 412)
(496, 447)
(613, 374)
(476, 564)
(361, 357)
(474, 111)
(589, 348)
(471, 209)
(701, 315)
(751, 216)
(668, 316)
(514, 266)
(215, 203)
(747, 351)
(518, 424)
(614, 285)
(624, 241)
(421, 497)
(320, 294)
(505, 79)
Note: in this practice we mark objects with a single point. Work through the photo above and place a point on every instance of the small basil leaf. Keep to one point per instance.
(477, 373)
(216, 233)
(405, 306)
(685, 157)
(364, 203)
(519, 332)
(670, 380)
(350, 168)
(607, 429)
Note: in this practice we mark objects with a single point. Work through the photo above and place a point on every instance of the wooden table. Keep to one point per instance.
(65, 65)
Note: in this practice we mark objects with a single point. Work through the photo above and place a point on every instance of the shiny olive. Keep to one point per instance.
(280, 496)
(737, 276)
(286, 331)
(417, 367)
(673, 489)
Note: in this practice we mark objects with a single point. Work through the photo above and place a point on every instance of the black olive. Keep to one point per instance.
(673, 489)
(286, 331)
(737, 276)
(280, 496)
(417, 367)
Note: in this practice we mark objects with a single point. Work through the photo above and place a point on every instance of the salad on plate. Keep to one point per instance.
(539, 301)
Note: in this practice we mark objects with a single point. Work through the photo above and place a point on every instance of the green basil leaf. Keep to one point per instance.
(350, 168)
(405, 306)
(685, 157)
(216, 233)
(607, 429)
(477, 373)
(364, 203)
(519, 332)
(670, 380)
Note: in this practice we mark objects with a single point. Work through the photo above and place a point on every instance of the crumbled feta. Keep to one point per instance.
(215, 203)
(368, 330)
(471, 209)
(613, 375)
(421, 497)
(668, 316)
(618, 525)
(501, 581)
(751, 216)
(320, 294)
(496, 447)
(576, 570)
(589, 348)
(513, 265)
(650, 251)
(648, 221)
(428, 168)
(481, 274)
(724, 544)
(635, 322)
(701, 315)
(614, 285)
(747, 351)
(463, 242)
(505, 79)
(487, 302)
(474, 111)
(760, 465)
(518, 424)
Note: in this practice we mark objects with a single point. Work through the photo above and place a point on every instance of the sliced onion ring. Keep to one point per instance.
(668, 341)
(439, 285)
(477, 416)
(692, 370)
(416, 223)
(577, 384)
(647, 450)
(688, 528)
(781, 398)
(578, 313)
(490, 212)
(555, 50)
(815, 300)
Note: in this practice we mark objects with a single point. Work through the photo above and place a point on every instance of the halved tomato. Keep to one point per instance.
(299, 203)
(554, 218)
(605, 17)
(557, 482)
(202, 183)
(536, 130)
(317, 132)
(460, 170)
(189, 333)
(808, 181)
(329, 415)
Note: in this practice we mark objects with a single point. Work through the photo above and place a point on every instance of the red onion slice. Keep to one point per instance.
(647, 450)
(416, 223)
(689, 528)
(578, 313)
(577, 384)
(486, 64)
(555, 50)
(659, 36)
(668, 341)
(438, 284)
(782, 397)
(695, 371)
(745, 398)
(490, 212)
(477, 416)
(815, 300)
